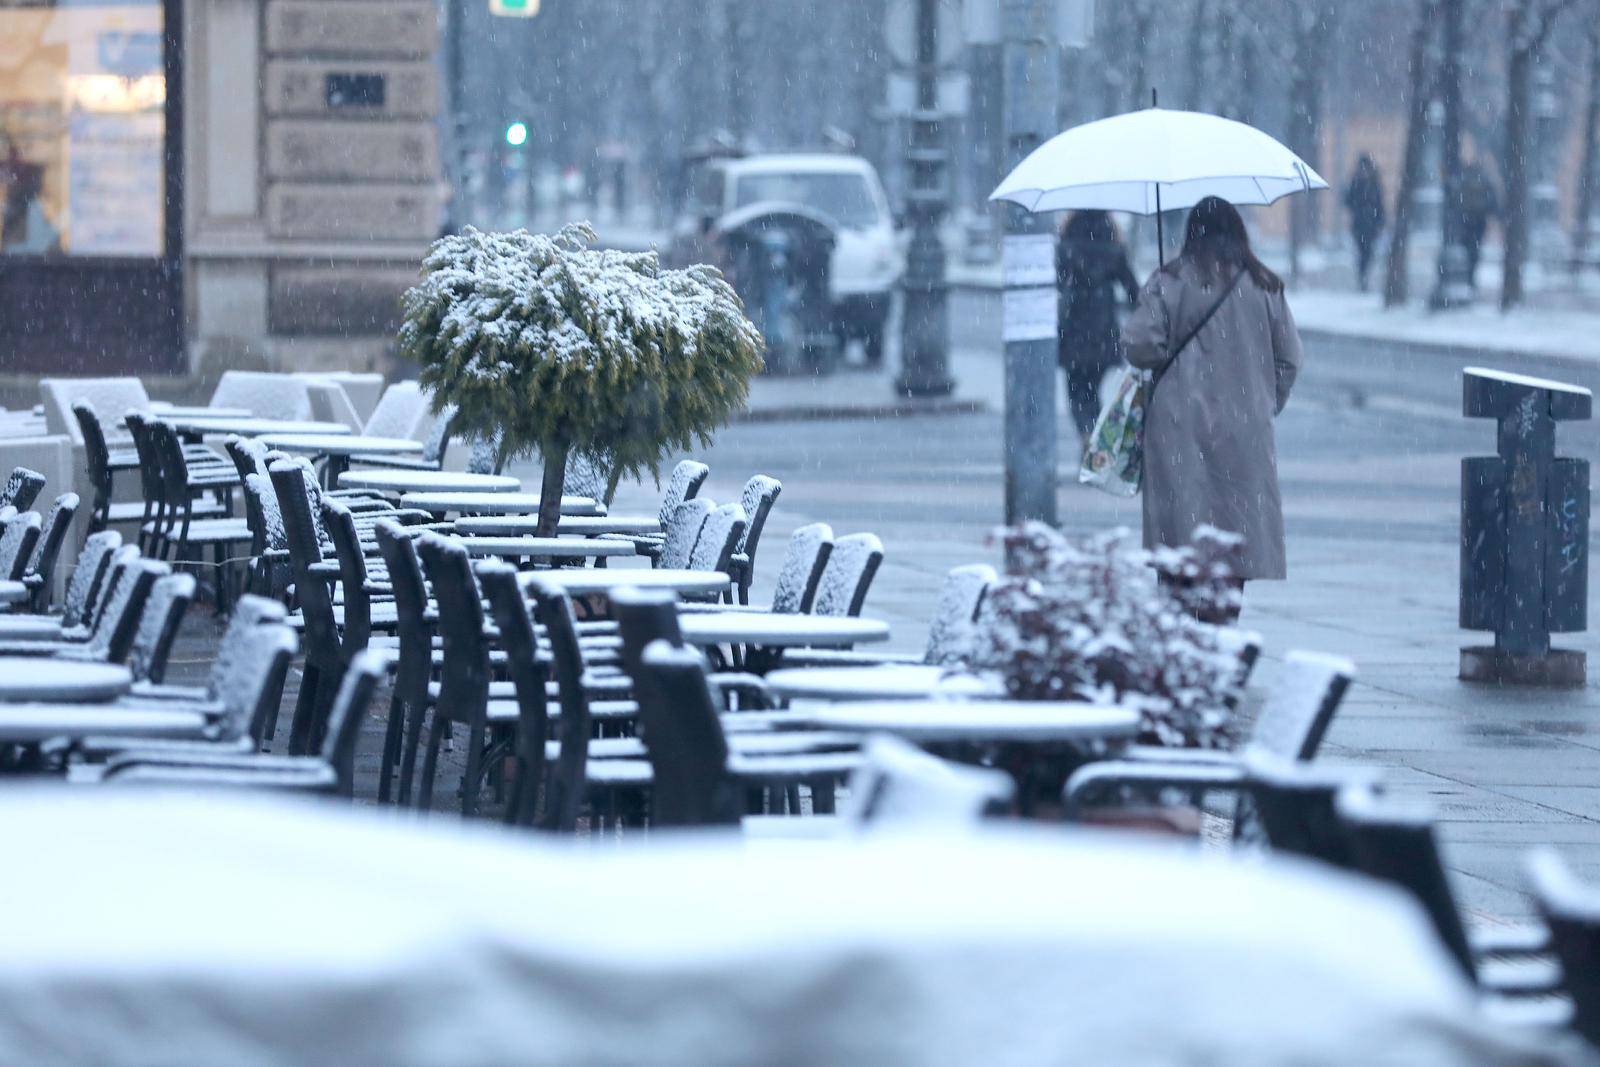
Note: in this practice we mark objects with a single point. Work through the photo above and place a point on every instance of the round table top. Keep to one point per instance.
(339, 444)
(12, 592)
(502, 503)
(420, 481)
(580, 582)
(775, 630)
(175, 411)
(889, 682)
(1081, 934)
(975, 720)
(22, 724)
(61, 681)
(571, 525)
(545, 547)
(250, 427)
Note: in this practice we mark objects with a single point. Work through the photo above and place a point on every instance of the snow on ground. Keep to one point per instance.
(1558, 334)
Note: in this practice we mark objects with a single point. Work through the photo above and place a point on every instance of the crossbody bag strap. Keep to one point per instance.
(1190, 336)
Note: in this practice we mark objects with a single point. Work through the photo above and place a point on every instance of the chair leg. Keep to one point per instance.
(408, 760)
(305, 709)
(472, 779)
(430, 762)
(393, 730)
(821, 797)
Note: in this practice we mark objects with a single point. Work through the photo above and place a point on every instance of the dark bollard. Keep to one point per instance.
(1524, 533)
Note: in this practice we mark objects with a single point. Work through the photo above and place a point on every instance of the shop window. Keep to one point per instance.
(82, 127)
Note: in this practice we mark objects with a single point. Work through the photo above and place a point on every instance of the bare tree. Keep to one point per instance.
(1195, 55)
(1397, 280)
(1530, 23)
(1587, 177)
(1309, 21)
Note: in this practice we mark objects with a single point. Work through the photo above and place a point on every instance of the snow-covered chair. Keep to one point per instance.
(1291, 726)
(757, 498)
(719, 536)
(101, 394)
(330, 771)
(42, 563)
(330, 404)
(88, 574)
(16, 544)
(950, 632)
(433, 448)
(158, 627)
(851, 566)
(683, 533)
(112, 634)
(22, 488)
(402, 412)
(265, 395)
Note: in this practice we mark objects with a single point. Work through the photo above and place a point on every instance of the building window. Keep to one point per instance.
(82, 129)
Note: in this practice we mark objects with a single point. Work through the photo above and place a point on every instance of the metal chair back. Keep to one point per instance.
(801, 572)
(17, 543)
(566, 784)
(719, 536)
(684, 741)
(47, 550)
(683, 533)
(684, 484)
(346, 715)
(1571, 910)
(851, 567)
(87, 574)
(22, 488)
(955, 615)
(1301, 706)
(529, 676)
(159, 622)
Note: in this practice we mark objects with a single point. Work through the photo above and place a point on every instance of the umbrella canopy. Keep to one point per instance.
(1156, 160)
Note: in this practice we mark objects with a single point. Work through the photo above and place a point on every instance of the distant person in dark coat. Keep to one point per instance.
(1363, 197)
(1477, 204)
(1091, 263)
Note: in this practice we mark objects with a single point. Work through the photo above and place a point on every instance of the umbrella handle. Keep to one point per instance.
(1161, 236)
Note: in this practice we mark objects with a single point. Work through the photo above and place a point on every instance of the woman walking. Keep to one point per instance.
(1090, 263)
(1214, 328)
(1363, 197)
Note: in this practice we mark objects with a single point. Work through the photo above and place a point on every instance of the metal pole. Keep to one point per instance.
(1032, 62)
(925, 324)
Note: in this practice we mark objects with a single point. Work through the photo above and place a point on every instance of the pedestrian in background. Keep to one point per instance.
(1091, 263)
(1363, 198)
(1214, 328)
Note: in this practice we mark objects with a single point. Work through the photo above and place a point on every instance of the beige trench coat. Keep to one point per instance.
(1210, 456)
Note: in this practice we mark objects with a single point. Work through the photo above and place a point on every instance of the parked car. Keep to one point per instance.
(866, 262)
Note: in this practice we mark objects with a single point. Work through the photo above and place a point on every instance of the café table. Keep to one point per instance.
(402, 937)
(32, 723)
(764, 635)
(12, 592)
(404, 482)
(591, 581)
(546, 548)
(338, 448)
(194, 427)
(1039, 743)
(496, 503)
(197, 411)
(570, 525)
(889, 682)
(36, 678)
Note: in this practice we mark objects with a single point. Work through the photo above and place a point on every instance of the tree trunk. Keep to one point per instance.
(550, 491)
(1396, 280)
(1514, 220)
(1591, 151)
(1195, 60)
(1305, 116)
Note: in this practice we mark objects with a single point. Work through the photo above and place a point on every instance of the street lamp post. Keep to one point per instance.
(925, 322)
(1032, 62)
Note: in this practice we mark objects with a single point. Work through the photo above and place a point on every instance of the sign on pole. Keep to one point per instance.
(525, 9)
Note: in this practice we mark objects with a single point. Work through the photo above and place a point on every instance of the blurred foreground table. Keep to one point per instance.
(244, 930)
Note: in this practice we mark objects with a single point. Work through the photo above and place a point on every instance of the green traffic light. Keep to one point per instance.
(516, 134)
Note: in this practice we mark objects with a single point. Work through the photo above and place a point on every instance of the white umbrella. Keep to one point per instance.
(1155, 160)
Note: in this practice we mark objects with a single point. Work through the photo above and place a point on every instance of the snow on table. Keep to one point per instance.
(888, 682)
(780, 630)
(573, 525)
(597, 580)
(976, 720)
(12, 592)
(1000, 946)
(424, 481)
(25, 678)
(22, 724)
(507, 503)
(337, 444)
(249, 427)
(545, 547)
(1526, 380)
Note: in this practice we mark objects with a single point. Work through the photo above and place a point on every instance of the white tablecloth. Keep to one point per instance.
(149, 929)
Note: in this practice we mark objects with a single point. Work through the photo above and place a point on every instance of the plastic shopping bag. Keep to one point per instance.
(1114, 460)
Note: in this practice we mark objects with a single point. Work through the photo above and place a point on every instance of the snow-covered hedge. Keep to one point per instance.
(550, 345)
(1086, 620)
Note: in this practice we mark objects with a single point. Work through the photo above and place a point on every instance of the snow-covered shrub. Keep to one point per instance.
(1200, 574)
(1086, 620)
(551, 345)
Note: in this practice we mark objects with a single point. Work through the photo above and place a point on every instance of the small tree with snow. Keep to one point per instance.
(1086, 620)
(546, 344)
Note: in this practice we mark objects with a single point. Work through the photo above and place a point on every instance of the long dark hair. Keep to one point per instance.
(1215, 241)
(1090, 227)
